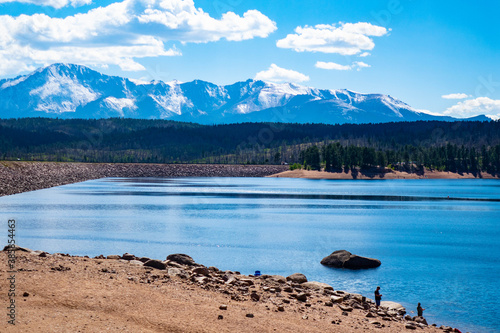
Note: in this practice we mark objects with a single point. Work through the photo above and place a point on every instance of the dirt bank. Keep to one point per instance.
(388, 174)
(17, 177)
(57, 293)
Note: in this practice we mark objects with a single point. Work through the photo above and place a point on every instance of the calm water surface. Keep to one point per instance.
(438, 240)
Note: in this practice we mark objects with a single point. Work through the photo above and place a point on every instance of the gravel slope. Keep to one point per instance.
(18, 177)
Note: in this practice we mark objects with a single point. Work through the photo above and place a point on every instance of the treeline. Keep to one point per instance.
(335, 157)
(442, 145)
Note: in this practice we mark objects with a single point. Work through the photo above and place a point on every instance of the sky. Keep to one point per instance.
(440, 57)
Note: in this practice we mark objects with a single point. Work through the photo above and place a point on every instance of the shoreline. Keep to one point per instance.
(370, 175)
(129, 294)
(22, 176)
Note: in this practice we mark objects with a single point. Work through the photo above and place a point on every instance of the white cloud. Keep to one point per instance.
(332, 65)
(475, 107)
(278, 74)
(53, 3)
(118, 34)
(455, 96)
(345, 39)
(365, 54)
(360, 64)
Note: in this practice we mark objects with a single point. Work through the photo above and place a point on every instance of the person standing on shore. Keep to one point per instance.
(378, 297)
(420, 311)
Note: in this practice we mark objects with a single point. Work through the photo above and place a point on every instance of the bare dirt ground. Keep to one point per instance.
(74, 294)
(389, 174)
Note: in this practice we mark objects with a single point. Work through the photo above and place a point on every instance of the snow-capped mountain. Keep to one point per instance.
(73, 91)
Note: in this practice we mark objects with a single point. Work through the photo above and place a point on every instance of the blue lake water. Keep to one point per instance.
(438, 240)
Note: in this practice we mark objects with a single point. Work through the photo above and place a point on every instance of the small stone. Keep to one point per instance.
(345, 308)
(370, 315)
(345, 313)
(223, 307)
(128, 256)
(249, 315)
(328, 303)
(182, 259)
(247, 282)
(297, 278)
(410, 326)
(337, 299)
(305, 317)
(155, 264)
(220, 317)
(113, 256)
(420, 320)
(201, 271)
(302, 297)
(281, 308)
(255, 297)
(316, 285)
(26, 294)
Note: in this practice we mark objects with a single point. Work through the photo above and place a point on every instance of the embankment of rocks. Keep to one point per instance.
(18, 177)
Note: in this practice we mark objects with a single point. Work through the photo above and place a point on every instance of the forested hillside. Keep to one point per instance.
(449, 146)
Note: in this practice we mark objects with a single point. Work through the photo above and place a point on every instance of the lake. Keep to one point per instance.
(438, 240)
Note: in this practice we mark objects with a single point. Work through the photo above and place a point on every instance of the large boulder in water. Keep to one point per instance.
(345, 259)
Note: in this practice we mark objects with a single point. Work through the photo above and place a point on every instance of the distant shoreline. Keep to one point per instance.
(388, 174)
(21, 176)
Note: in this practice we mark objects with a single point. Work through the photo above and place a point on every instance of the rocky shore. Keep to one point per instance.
(125, 293)
(18, 177)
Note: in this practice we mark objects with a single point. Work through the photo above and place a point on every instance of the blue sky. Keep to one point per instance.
(439, 56)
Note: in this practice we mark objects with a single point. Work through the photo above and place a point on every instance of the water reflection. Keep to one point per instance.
(445, 248)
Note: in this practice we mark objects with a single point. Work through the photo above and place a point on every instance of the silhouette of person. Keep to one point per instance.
(378, 297)
(420, 311)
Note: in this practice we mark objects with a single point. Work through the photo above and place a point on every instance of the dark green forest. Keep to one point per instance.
(447, 146)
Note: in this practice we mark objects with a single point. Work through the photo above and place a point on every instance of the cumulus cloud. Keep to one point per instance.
(119, 33)
(278, 74)
(474, 107)
(53, 3)
(344, 39)
(334, 66)
(455, 96)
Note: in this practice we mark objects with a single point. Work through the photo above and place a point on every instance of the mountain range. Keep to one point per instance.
(74, 91)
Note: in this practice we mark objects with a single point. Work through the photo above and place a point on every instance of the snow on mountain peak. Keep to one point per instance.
(118, 104)
(61, 93)
(68, 90)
